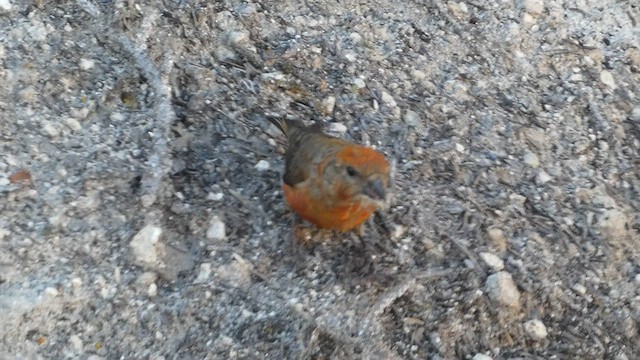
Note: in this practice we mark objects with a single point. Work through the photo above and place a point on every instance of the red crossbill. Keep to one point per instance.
(331, 182)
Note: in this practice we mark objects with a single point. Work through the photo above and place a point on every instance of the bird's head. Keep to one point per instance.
(360, 174)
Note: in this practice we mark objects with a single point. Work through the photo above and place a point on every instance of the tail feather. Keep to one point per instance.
(280, 123)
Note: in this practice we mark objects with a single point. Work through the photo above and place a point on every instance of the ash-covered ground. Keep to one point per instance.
(141, 214)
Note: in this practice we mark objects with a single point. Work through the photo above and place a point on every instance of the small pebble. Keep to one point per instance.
(359, 83)
(72, 124)
(531, 159)
(497, 239)
(204, 274)
(388, 100)
(146, 279)
(542, 177)
(215, 196)
(535, 329)
(5, 5)
(86, 64)
(338, 128)
(262, 165)
(493, 261)
(533, 7)
(635, 114)
(579, 289)
(603, 145)
(51, 292)
(216, 230)
(481, 356)
(607, 79)
(328, 105)
(49, 129)
(501, 289)
(76, 343)
(117, 117)
(411, 118)
(153, 290)
(146, 246)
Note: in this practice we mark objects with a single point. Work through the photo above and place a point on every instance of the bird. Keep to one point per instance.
(332, 183)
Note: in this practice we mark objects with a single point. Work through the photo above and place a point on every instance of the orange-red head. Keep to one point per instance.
(359, 174)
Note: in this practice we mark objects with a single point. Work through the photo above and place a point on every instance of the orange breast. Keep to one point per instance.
(343, 217)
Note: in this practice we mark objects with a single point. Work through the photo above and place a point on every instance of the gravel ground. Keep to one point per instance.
(141, 210)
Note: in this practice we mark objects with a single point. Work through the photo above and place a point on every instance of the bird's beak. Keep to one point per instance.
(375, 190)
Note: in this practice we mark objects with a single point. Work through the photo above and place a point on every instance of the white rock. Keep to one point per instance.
(497, 239)
(204, 274)
(388, 100)
(350, 56)
(86, 64)
(535, 329)
(480, 356)
(5, 5)
(359, 83)
(215, 196)
(338, 127)
(528, 19)
(117, 117)
(51, 292)
(542, 177)
(147, 248)
(531, 159)
(146, 279)
(262, 165)
(216, 230)
(533, 7)
(501, 289)
(603, 145)
(49, 129)
(607, 79)
(579, 289)
(411, 118)
(455, 8)
(153, 290)
(635, 114)
(328, 105)
(493, 261)
(76, 343)
(459, 148)
(73, 124)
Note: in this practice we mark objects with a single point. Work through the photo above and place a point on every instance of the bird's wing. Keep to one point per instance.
(306, 150)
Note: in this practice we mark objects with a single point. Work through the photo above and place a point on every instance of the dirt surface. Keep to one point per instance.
(141, 209)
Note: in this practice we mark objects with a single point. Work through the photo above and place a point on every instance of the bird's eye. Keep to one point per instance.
(351, 171)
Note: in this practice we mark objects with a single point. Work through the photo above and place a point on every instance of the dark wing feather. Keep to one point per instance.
(300, 152)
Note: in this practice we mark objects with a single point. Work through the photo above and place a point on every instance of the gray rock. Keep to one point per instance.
(501, 289)
(535, 329)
